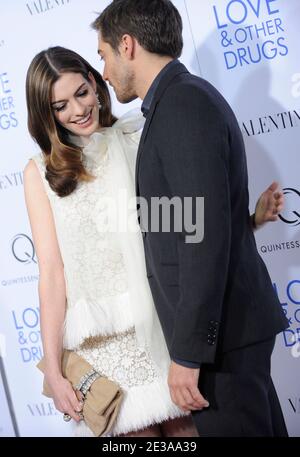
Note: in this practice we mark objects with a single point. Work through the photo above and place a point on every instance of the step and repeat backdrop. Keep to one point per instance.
(249, 49)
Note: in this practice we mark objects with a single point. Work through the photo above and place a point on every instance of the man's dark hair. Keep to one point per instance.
(156, 24)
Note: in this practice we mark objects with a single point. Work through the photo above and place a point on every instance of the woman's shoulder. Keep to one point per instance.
(33, 177)
(34, 164)
(34, 171)
(36, 161)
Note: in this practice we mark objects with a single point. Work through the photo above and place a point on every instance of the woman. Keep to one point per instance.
(94, 295)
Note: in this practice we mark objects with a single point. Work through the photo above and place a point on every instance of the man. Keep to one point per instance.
(214, 298)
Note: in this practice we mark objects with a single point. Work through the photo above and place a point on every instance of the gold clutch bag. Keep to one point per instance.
(102, 397)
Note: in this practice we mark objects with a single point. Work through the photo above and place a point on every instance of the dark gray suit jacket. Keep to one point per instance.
(217, 293)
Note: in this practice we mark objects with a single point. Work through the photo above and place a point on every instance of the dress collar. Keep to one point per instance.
(96, 145)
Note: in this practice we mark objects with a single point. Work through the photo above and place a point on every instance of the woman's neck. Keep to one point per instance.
(86, 139)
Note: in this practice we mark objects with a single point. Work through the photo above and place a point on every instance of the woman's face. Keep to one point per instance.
(75, 104)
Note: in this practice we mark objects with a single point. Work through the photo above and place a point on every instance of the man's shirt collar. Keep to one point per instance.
(146, 105)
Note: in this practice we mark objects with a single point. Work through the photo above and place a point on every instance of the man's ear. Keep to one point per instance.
(92, 81)
(127, 46)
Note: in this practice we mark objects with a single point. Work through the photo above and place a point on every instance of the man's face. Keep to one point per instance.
(117, 71)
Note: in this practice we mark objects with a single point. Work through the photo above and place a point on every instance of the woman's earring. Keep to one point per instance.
(98, 101)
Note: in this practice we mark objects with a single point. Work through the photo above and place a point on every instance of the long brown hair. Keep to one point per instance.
(64, 168)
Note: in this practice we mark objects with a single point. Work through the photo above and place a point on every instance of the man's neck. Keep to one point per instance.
(148, 72)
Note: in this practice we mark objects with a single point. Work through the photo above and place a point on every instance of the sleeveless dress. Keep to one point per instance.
(99, 324)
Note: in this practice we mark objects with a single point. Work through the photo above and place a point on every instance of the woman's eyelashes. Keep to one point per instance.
(59, 108)
(82, 93)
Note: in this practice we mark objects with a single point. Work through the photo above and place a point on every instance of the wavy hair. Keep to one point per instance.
(64, 168)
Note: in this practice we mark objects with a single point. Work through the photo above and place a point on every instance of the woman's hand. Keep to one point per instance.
(268, 206)
(66, 399)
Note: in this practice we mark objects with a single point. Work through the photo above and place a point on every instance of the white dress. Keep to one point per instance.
(99, 323)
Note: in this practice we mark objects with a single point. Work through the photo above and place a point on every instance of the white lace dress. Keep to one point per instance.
(99, 324)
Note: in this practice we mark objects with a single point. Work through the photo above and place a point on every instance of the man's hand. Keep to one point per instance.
(269, 205)
(183, 385)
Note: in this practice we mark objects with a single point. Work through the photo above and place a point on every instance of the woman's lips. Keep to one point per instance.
(86, 121)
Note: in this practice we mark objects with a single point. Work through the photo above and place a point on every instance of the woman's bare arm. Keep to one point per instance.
(52, 289)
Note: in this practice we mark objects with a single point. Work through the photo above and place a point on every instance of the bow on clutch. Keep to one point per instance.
(102, 397)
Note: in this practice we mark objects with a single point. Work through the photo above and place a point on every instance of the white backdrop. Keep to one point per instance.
(249, 49)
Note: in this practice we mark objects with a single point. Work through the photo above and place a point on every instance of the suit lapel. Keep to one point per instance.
(163, 84)
(141, 144)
